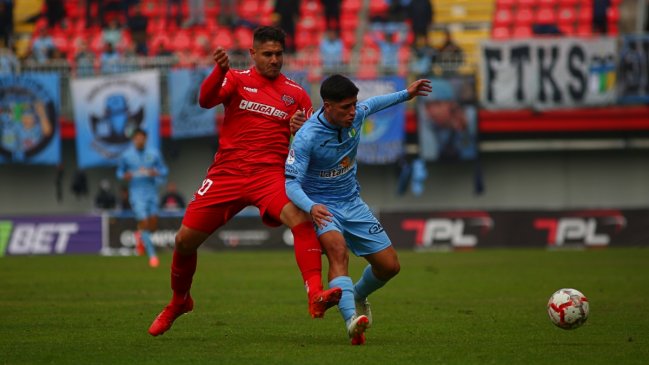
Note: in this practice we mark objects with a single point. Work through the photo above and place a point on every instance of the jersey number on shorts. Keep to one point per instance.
(206, 185)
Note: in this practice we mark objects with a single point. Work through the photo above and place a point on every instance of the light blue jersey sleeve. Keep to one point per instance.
(295, 170)
(377, 103)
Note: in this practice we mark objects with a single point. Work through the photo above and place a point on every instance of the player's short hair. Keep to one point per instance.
(137, 131)
(337, 88)
(265, 34)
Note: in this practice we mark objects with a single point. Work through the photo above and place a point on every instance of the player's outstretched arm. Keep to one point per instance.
(420, 87)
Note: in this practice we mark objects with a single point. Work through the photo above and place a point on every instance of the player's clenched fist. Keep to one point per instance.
(297, 120)
(221, 58)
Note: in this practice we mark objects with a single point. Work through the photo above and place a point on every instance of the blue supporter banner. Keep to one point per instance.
(188, 119)
(108, 109)
(29, 114)
(383, 132)
(447, 120)
(633, 79)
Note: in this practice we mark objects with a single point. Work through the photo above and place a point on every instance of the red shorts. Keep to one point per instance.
(223, 194)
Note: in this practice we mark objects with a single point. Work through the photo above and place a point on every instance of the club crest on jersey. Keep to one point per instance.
(288, 101)
(352, 132)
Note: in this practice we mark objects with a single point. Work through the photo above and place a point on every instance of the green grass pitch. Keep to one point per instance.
(481, 307)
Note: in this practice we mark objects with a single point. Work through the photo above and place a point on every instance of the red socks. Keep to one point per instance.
(182, 272)
(308, 255)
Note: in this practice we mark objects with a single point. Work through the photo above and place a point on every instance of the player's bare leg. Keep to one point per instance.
(183, 268)
(308, 254)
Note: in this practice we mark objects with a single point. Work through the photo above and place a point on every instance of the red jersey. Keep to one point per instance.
(255, 131)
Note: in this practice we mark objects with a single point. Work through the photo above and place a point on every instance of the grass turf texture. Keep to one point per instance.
(482, 307)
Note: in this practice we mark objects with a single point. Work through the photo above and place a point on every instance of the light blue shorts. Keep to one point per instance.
(362, 231)
(145, 206)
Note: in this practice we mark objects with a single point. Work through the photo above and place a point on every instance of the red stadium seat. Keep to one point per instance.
(181, 41)
(584, 30)
(244, 37)
(545, 15)
(223, 38)
(566, 15)
(567, 28)
(353, 6)
(522, 31)
(585, 15)
(160, 39)
(549, 3)
(503, 18)
(526, 3)
(505, 4)
(500, 33)
(524, 17)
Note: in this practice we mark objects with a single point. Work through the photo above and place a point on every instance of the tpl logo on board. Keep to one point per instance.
(590, 228)
(456, 229)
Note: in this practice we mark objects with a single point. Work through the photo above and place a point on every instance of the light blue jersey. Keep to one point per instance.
(143, 189)
(321, 169)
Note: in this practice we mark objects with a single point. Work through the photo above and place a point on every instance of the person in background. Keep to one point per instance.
(171, 200)
(331, 52)
(7, 22)
(9, 63)
(423, 55)
(42, 45)
(332, 14)
(449, 55)
(137, 24)
(287, 13)
(143, 169)
(196, 14)
(420, 14)
(105, 198)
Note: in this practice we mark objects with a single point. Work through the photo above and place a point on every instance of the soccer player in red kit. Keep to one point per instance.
(248, 169)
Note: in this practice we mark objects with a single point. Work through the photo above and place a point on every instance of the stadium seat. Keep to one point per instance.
(549, 3)
(566, 15)
(526, 3)
(500, 33)
(545, 15)
(223, 38)
(505, 4)
(354, 6)
(567, 29)
(503, 18)
(585, 15)
(524, 17)
(181, 40)
(584, 30)
(522, 31)
(244, 37)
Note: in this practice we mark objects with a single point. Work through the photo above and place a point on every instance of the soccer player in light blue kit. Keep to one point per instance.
(321, 179)
(144, 170)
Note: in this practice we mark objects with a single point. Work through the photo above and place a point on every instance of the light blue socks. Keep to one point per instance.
(367, 284)
(346, 305)
(146, 238)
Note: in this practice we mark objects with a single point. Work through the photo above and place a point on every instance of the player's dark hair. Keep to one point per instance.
(265, 34)
(337, 88)
(137, 131)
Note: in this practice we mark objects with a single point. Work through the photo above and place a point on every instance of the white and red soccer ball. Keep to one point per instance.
(568, 308)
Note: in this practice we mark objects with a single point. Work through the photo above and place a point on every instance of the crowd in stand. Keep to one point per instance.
(102, 37)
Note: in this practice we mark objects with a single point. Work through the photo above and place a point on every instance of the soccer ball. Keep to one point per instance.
(568, 308)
